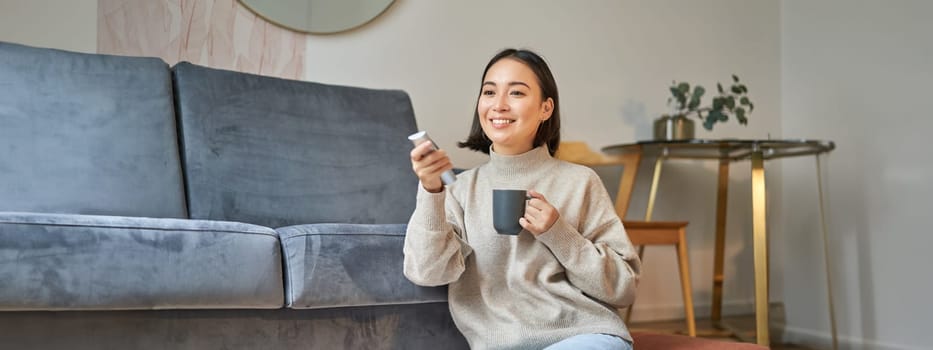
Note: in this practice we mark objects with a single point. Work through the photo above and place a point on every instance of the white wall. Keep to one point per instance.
(859, 73)
(613, 61)
(61, 24)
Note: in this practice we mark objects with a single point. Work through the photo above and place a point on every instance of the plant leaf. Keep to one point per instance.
(735, 89)
(714, 115)
(740, 116)
(744, 101)
(730, 102)
(711, 119)
(735, 78)
(678, 96)
(684, 88)
(719, 86)
(744, 89)
(717, 103)
(698, 92)
(693, 104)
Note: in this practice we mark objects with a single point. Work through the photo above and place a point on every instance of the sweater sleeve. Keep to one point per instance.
(434, 249)
(598, 257)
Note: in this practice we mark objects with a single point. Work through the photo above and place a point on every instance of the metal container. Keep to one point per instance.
(673, 128)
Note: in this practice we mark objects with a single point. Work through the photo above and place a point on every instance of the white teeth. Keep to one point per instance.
(502, 121)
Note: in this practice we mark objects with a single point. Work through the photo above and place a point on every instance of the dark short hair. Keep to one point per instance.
(549, 130)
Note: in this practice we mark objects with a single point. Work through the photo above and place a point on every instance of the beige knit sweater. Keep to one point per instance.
(517, 292)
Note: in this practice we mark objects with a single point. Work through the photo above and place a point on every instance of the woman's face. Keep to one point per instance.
(510, 107)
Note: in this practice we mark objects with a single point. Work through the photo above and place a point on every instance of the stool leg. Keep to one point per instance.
(685, 282)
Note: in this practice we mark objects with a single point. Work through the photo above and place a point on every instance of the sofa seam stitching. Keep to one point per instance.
(135, 227)
(344, 234)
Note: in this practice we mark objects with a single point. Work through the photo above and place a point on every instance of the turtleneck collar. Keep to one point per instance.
(522, 165)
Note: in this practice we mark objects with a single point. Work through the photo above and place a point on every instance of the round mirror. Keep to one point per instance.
(318, 16)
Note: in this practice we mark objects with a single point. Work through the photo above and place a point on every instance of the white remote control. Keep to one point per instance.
(420, 137)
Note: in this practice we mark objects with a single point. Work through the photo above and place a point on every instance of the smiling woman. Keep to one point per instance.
(318, 16)
(548, 274)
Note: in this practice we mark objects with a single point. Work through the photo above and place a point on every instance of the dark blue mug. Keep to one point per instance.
(507, 207)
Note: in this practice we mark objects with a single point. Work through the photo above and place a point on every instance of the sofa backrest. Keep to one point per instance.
(87, 134)
(278, 152)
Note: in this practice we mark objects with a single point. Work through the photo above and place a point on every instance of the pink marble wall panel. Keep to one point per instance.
(214, 33)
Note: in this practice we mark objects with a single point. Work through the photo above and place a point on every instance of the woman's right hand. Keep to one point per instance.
(429, 164)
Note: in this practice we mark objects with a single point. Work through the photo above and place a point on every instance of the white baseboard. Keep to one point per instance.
(824, 340)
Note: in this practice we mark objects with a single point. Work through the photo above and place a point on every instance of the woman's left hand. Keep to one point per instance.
(539, 214)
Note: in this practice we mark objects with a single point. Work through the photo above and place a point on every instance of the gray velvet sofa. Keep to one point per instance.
(144, 206)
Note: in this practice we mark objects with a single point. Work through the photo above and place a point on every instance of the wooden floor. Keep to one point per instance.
(745, 325)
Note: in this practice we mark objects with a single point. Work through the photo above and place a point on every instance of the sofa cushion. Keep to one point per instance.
(277, 152)
(82, 262)
(336, 265)
(87, 134)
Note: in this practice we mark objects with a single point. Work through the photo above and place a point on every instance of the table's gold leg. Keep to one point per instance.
(829, 284)
(760, 242)
(722, 197)
(654, 187)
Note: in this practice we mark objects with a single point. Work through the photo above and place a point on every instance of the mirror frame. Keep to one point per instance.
(308, 31)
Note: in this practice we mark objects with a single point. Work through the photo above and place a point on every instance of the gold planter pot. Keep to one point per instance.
(673, 128)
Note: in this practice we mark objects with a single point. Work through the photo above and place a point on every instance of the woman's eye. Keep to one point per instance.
(488, 93)
(517, 93)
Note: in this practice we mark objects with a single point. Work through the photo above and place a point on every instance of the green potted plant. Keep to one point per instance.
(684, 102)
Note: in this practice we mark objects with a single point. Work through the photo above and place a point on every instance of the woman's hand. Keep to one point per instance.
(539, 214)
(429, 164)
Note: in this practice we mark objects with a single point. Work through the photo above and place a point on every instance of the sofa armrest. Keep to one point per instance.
(85, 262)
(339, 265)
